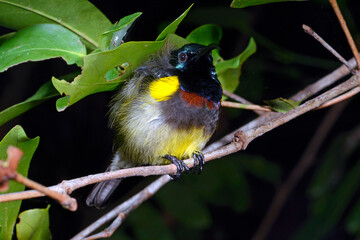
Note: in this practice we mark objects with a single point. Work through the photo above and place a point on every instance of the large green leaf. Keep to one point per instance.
(80, 16)
(247, 3)
(39, 42)
(34, 225)
(44, 93)
(96, 66)
(228, 71)
(5, 37)
(171, 28)
(205, 35)
(10, 210)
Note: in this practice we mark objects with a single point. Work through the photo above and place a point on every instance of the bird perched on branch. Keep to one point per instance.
(165, 113)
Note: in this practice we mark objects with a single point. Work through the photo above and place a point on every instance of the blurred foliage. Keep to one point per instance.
(248, 3)
(332, 189)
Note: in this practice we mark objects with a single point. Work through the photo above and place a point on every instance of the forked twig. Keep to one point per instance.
(8, 171)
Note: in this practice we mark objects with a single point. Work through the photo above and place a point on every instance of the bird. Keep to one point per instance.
(165, 113)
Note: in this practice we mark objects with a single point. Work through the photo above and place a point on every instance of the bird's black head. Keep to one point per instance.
(194, 66)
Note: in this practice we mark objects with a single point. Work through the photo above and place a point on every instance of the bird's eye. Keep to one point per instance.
(183, 57)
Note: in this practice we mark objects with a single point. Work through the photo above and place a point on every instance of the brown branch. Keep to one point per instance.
(65, 200)
(340, 98)
(68, 186)
(349, 38)
(303, 165)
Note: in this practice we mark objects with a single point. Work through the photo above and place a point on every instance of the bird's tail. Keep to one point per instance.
(102, 191)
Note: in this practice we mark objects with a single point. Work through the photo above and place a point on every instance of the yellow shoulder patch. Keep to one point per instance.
(163, 88)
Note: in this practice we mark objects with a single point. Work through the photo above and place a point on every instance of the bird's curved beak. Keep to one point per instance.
(205, 50)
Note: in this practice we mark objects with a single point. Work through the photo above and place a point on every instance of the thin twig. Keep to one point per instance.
(340, 98)
(245, 106)
(236, 97)
(241, 100)
(349, 38)
(303, 165)
(312, 33)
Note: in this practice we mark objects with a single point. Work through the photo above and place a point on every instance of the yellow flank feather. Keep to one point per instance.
(163, 88)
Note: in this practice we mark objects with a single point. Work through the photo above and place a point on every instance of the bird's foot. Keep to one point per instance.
(199, 162)
(180, 165)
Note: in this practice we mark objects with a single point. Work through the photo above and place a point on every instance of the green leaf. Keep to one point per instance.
(10, 210)
(34, 225)
(178, 201)
(97, 65)
(205, 35)
(80, 16)
(148, 224)
(5, 37)
(171, 28)
(228, 71)
(282, 105)
(39, 42)
(44, 93)
(113, 37)
(247, 3)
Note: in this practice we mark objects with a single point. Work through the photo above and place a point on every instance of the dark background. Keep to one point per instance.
(78, 142)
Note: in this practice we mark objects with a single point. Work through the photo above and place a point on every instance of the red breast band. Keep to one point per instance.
(194, 100)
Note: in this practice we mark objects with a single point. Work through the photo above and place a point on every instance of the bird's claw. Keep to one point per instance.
(199, 162)
(180, 165)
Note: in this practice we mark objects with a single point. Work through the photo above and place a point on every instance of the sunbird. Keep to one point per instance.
(164, 114)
